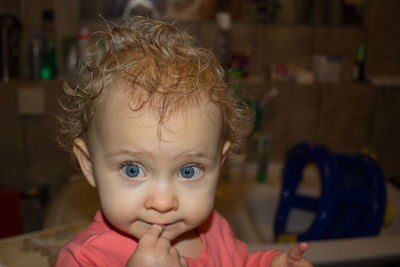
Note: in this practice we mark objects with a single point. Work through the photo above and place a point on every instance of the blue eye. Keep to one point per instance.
(133, 171)
(189, 172)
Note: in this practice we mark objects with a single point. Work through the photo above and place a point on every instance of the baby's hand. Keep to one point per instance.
(154, 250)
(293, 258)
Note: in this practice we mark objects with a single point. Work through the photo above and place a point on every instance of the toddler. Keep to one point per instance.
(150, 121)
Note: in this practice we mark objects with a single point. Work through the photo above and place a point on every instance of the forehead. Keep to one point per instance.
(169, 96)
(120, 102)
(117, 127)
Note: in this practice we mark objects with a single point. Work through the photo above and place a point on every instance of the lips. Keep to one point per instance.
(158, 223)
(161, 224)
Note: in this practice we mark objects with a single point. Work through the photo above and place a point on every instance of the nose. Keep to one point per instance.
(162, 200)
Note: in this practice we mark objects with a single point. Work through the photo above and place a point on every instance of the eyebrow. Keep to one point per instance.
(124, 152)
(189, 154)
(196, 155)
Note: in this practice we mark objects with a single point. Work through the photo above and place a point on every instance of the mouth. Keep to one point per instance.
(167, 225)
(163, 224)
(160, 224)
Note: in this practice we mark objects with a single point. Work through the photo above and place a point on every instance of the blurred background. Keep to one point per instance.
(318, 71)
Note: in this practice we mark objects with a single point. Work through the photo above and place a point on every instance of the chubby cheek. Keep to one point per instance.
(119, 208)
(200, 201)
(197, 206)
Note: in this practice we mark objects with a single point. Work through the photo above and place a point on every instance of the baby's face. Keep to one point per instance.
(144, 180)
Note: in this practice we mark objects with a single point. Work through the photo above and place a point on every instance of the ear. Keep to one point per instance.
(225, 150)
(81, 152)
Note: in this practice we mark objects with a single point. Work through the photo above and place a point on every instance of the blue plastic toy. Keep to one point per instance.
(352, 200)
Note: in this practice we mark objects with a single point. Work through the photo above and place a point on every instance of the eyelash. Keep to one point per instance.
(197, 165)
(132, 163)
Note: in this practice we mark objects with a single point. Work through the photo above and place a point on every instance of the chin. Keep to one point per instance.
(177, 232)
(172, 234)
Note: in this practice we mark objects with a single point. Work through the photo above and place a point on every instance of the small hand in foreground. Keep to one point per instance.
(154, 250)
(293, 258)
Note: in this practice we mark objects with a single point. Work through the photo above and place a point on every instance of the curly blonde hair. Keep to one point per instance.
(165, 70)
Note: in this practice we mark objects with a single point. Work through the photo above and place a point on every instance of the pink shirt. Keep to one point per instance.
(100, 244)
